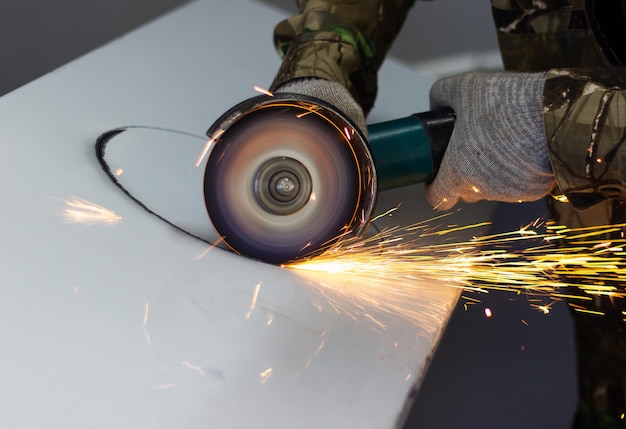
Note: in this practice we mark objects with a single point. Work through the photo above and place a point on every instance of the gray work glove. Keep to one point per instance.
(333, 93)
(498, 150)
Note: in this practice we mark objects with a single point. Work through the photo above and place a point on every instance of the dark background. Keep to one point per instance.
(496, 372)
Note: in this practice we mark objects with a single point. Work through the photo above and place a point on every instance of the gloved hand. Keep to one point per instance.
(333, 93)
(498, 150)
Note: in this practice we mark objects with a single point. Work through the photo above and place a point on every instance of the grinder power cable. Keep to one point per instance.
(289, 175)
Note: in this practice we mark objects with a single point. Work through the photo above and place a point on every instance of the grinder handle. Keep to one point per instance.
(409, 150)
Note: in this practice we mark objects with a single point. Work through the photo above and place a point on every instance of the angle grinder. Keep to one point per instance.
(289, 175)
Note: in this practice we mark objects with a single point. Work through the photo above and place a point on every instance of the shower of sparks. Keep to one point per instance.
(262, 91)
(83, 211)
(388, 272)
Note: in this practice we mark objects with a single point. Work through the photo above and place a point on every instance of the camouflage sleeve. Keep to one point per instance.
(539, 35)
(343, 41)
(585, 124)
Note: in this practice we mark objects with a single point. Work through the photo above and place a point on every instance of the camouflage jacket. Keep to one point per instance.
(346, 41)
(582, 46)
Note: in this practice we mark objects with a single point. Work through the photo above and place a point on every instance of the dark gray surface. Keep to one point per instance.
(436, 29)
(499, 372)
(37, 36)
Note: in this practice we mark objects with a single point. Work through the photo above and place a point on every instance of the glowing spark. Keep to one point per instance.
(385, 274)
(305, 246)
(192, 367)
(208, 249)
(560, 198)
(118, 172)
(346, 131)
(163, 386)
(475, 189)
(525, 322)
(582, 310)
(255, 296)
(319, 349)
(83, 211)
(145, 314)
(265, 375)
(543, 308)
(208, 145)
(270, 319)
(263, 91)
(488, 312)
(145, 323)
(313, 196)
(310, 108)
(387, 213)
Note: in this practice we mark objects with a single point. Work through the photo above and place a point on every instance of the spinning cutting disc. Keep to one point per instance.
(286, 178)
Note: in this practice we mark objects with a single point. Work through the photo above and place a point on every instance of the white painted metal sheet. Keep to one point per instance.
(130, 323)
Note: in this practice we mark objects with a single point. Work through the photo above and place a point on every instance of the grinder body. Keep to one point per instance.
(289, 175)
(409, 150)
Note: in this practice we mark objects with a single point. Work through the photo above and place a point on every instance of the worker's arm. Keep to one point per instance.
(343, 41)
(583, 107)
(497, 150)
(517, 132)
(585, 125)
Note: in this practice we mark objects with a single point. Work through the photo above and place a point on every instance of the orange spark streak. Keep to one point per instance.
(317, 351)
(82, 211)
(263, 91)
(211, 247)
(265, 375)
(255, 296)
(207, 147)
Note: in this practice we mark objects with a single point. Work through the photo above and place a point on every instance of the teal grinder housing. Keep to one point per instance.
(409, 150)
